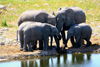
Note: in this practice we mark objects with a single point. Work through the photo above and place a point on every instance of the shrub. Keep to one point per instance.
(4, 23)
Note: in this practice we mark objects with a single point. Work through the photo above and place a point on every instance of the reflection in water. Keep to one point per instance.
(63, 60)
(57, 61)
(79, 58)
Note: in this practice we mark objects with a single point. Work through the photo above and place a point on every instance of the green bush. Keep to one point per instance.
(4, 23)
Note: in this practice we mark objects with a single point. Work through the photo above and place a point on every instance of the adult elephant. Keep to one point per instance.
(68, 16)
(39, 16)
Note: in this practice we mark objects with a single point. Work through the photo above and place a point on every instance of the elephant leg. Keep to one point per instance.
(46, 47)
(21, 40)
(57, 43)
(34, 44)
(88, 43)
(82, 41)
(40, 44)
(51, 41)
(63, 36)
(25, 44)
(25, 47)
(77, 42)
(30, 48)
(72, 41)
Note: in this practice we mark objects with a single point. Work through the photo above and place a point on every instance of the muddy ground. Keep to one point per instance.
(13, 52)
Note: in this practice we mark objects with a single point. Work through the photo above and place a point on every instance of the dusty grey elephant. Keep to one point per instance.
(31, 31)
(79, 31)
(68, 16)
(39, 16)
(20, 31)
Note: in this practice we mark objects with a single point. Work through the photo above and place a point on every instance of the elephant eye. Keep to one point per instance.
(57, 19)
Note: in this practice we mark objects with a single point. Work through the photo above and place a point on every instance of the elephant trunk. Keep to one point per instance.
(66, 42)
(58, 36)
(59, 26)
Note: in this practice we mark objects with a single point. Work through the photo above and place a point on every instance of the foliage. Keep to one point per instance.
(16, 7)
(4, 23)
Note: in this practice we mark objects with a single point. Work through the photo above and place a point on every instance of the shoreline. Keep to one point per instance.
(38, 53)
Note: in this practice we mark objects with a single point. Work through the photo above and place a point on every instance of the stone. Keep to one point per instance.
(0, 12)
(2, 43)
(3, 7)
(46, 4)
(5, 29)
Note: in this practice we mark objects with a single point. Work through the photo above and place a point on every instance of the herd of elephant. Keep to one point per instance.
(39, 25)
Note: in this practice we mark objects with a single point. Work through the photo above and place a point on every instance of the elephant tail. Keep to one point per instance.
(19, 21)
(17, 36)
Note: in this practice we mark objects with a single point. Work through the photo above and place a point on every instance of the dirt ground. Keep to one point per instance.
(12, 51)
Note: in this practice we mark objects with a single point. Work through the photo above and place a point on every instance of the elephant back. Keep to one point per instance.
(33, 15)
(80, 16)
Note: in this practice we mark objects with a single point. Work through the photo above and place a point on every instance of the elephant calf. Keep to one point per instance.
(30, 31)
(79, 31)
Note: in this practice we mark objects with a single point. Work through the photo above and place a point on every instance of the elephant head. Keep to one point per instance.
(51, 19)
(64, 17)
(73, 31)
(45, 17)
(51, 30)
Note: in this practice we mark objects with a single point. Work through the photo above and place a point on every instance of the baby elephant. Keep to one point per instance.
(32, 32)
(79, 31)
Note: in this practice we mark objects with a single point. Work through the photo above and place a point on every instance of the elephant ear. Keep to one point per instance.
(69, 17)
(41, 16)
(77, 31)
(46, 30)
(59, 9)
(52, 12)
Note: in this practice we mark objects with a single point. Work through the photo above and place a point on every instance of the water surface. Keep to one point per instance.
(63, 60)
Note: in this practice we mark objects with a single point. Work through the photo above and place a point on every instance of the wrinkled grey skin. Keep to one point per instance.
(20, 31)
(79, 31)
(39, 16)
(32, 31)
(68, 16)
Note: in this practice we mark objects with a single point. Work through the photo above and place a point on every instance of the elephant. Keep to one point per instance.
(67, 17)
(79, 31)
(39, 16)
(31, 31)
(20, 31)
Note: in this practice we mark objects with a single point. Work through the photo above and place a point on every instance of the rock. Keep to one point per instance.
(1, 37)
(5, 29)
(0, 12)
(1, 32)
(2, 43)
(3, 7)
(94, 34)
(46, 4)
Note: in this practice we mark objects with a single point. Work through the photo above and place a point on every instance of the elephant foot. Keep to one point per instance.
(31, 50)
(45, 49)
(87, 45)
(21, 49)
(25, 50)
(57, 49)
(40, 48)
(34, 48)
